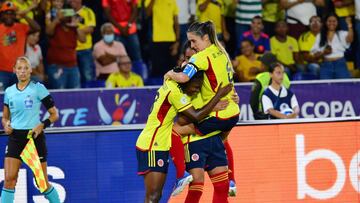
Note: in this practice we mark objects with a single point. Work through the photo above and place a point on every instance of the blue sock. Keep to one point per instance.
(7, 195)
(52, 195)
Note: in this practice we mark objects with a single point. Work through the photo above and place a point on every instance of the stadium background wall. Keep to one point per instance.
(277, 163)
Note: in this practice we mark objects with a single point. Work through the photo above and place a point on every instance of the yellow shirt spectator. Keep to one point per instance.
(88, 19)
(306, 41)
(284, 50)
(25, 6)
(163, 14)
(214, 12)
(245, 65)
(345, 11)
(119, 80)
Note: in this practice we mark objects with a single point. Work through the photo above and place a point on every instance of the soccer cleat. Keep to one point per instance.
(181, 183)
(232, 189)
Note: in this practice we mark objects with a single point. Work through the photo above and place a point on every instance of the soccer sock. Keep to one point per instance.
(220, 182)
(194, 193)
(177, 154)
(230, 157)
(52, 195)
(7, 195)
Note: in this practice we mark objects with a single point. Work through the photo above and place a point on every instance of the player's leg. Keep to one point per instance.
(153, 165)
(154, 183)
(230, 157)
(218, 170)
(11, 166)
(196, 153)
(177, 153)
(196, 186)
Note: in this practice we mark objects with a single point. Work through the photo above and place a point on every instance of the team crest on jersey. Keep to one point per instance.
(183, 100)
(160, 162)
(28, 102)
(195, 157)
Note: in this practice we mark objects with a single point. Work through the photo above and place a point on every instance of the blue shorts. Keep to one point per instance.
(213, 124)
(207, 153)
(152, 161)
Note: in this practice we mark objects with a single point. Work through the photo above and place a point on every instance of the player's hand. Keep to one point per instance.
(223, 91)
(235, 97)
(8, 129)
(37, 130)
(221, 105)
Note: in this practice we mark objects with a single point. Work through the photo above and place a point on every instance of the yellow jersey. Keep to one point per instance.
(218, 69)
(197, 103)
(169, 101)
(284, 50)
(345, 11)
(118, 80)
(213, 12)
(88, 20)
(163, 15)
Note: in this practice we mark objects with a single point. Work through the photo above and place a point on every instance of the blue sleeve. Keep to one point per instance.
(42, 91)
(190, 70)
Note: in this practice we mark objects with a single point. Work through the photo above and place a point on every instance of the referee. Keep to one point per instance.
(21, 114)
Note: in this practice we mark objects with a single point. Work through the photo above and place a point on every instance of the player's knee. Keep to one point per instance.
(10, 181)
(199, 178)
(155, 196)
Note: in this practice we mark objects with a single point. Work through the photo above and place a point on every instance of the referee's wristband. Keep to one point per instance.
(46, 123)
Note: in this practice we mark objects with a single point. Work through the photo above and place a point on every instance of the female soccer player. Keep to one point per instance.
(213, 59)
(21, 113)
(154, 142)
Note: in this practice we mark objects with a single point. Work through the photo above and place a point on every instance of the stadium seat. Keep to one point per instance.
(141, 69)
(95, 83)
(304, 76)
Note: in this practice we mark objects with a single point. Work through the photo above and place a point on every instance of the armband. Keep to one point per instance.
(46, 123)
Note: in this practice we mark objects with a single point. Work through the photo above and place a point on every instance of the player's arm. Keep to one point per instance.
(184, 76)
(6, 120)
(197, 115)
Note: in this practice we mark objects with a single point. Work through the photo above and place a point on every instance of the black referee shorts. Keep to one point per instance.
(17, 142)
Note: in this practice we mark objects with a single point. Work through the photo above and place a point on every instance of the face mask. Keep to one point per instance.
(109, 38)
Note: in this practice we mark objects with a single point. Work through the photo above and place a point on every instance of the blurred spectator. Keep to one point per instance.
(229, 14)
(298, 14)
(165, 35)
(187, 11)
(122, 14)
(213, 10)
(343, 9)
(63, 32)
(306, 42)
(262, 81)
(34, 54)
(246, 10)
(332, 43)
(277, 100)
(285, 48)
(247, 65)
(26, 7)
(84, 50)
(271, 13)
(260, 40)
(106, 52)
(124, 77)
(13, 41)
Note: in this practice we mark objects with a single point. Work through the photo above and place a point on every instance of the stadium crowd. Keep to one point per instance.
(124, 43)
